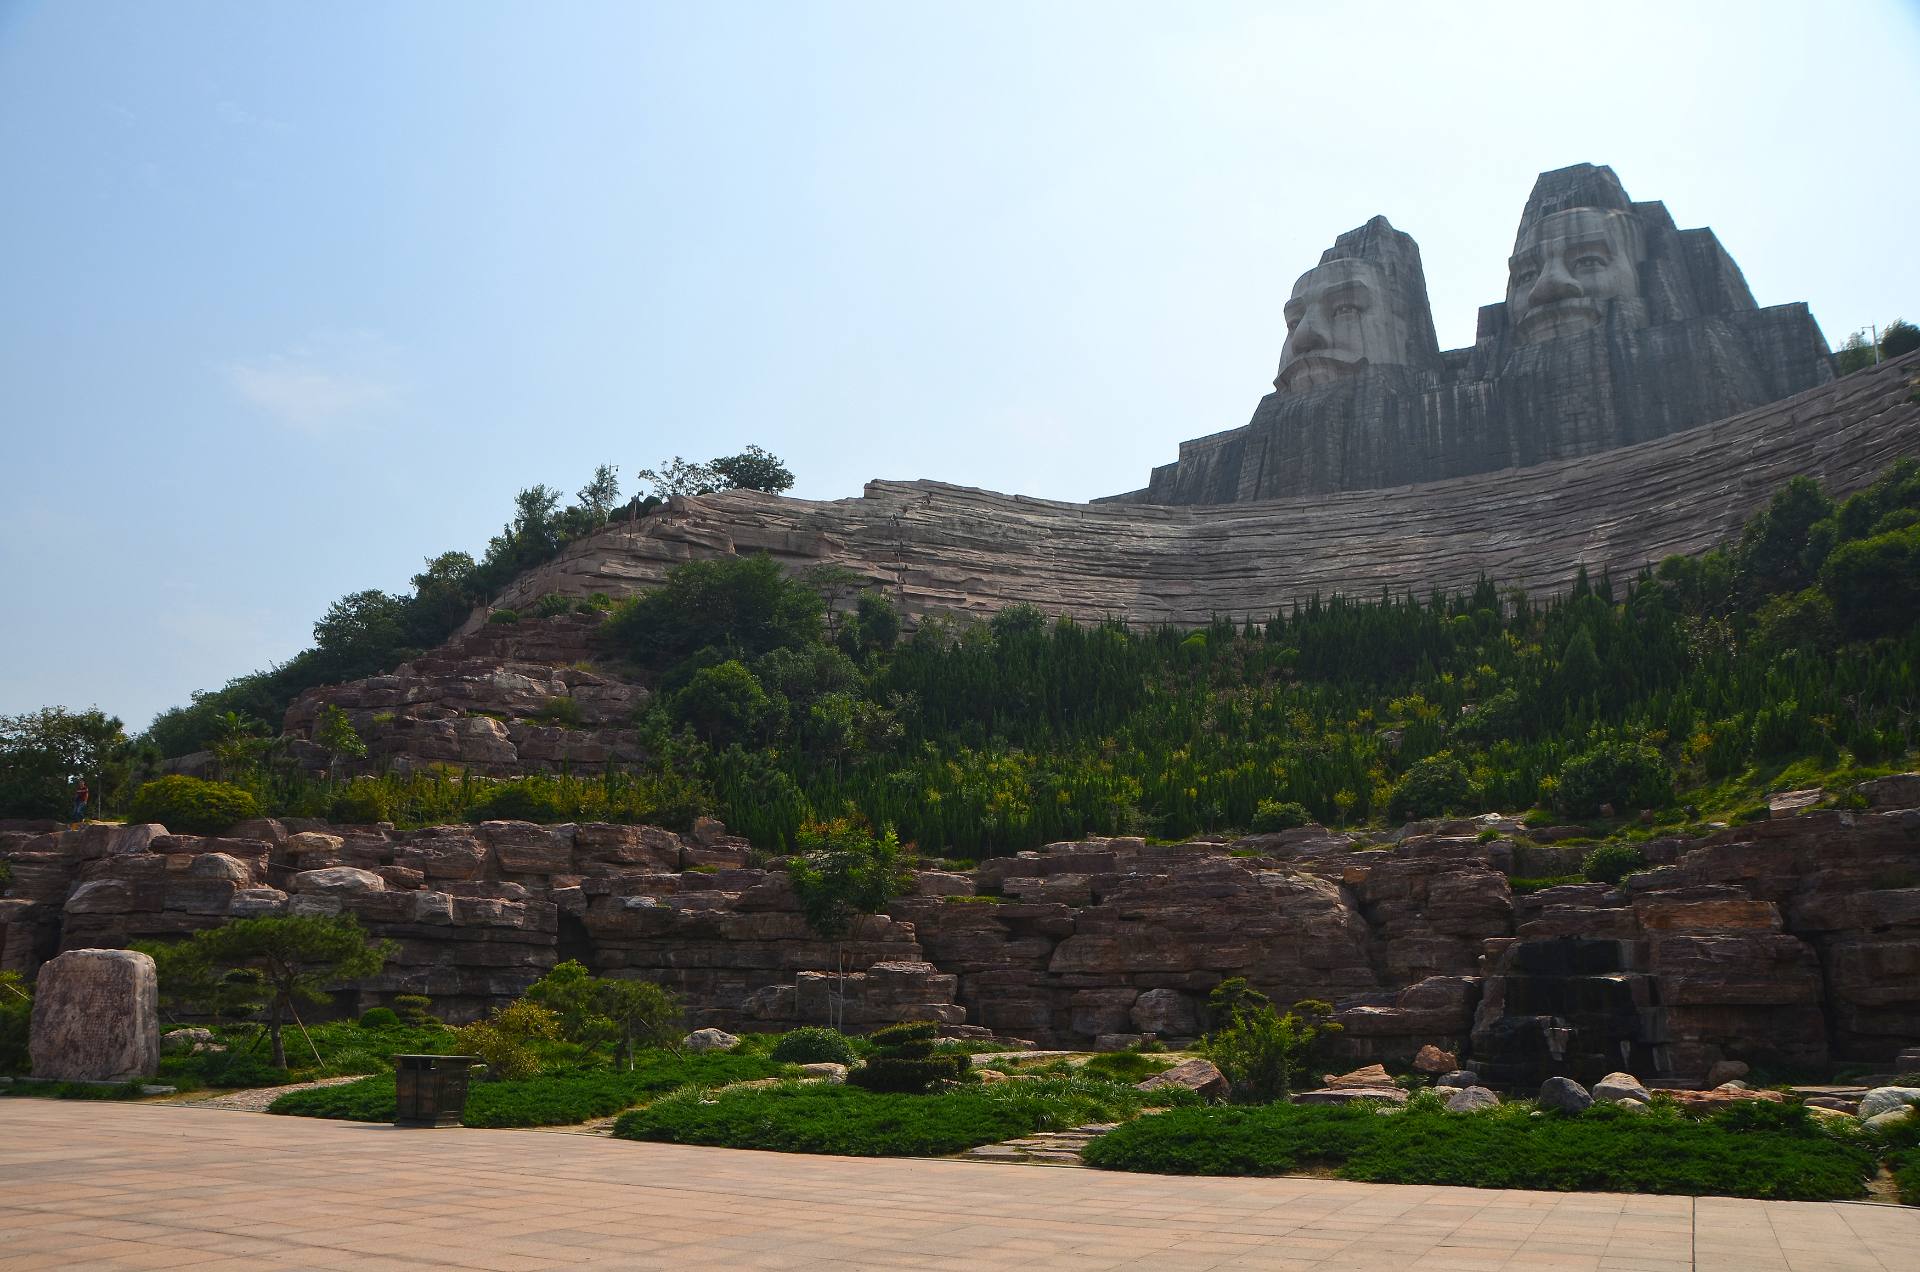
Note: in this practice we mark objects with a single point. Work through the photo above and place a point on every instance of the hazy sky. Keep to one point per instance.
(295, 296)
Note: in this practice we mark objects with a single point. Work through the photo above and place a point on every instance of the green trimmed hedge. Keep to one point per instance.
(560, 1099)
(850, 1122)
(1777, 1151)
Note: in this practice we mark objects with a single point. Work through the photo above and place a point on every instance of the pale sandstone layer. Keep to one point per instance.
(940, 548)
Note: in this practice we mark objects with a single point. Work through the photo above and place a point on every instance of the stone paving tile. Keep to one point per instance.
(132, 1186)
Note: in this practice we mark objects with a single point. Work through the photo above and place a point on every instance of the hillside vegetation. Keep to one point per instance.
(1786, 658)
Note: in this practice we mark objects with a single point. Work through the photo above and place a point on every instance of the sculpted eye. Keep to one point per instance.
(1589, 263)
(1347, 310)
(1522, 277)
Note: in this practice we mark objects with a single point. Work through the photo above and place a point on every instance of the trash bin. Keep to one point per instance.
(430, 1090)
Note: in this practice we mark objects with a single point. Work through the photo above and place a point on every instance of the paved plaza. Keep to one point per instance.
(147, 1186)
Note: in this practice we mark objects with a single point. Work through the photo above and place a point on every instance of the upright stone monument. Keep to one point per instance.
(1617, 327)
(96, 1017)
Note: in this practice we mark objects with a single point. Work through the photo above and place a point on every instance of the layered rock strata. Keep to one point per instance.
(946, 549)
(1785, 943)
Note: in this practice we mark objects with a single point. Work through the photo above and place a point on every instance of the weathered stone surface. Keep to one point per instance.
(1881, 1099)
(1619, 1086)
(337, 880)
(1195, 1075)
(1351, 1095)
(1662, 337)
(1564, 1095)
(1459, 1078)
(1430, 1059)
(1472, 1099)
(1165, 1013)
(1372, 1075)
(709, 1040)
(96, 1017)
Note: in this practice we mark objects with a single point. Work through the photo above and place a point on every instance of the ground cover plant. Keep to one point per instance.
(848, 1121)
(1752, 1150)
(344, 1047)
(546, 1099)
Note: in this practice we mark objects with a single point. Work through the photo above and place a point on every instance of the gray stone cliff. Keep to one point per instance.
(1618, 328)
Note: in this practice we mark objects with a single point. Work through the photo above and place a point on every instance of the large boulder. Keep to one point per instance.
(1371, 1077)
(709, 1040)
(1564, 1095)
(1620, 1086)
(337, 881)
(1471, 1099)
(1884, 1099)
(1432, 1059)
(96, 1017)
(1195, 1075)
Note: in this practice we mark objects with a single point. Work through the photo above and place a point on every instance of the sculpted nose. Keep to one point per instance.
(1308, 338)
(1553, 284)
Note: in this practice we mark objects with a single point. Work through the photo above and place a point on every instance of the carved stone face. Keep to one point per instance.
(1566, 268)
(1339, 319)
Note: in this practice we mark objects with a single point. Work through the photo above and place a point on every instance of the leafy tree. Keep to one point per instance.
(1898, 337)
(297, 957)
(504, 1040)
(1264, 1054)
(638, 1009)
(333, 732)
(752, 469)
(724, 703)
(677, 476)
(43, 753)
(1438, 784)
(1855, 355)
(1875, 583)
(1622, 775)
(844, 872)
(742, 605)
(192, 983)
(599, 497)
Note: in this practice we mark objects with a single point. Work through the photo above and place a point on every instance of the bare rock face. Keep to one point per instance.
(96, 1017)
(1617, 326)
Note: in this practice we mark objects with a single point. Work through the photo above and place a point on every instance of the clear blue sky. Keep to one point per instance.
(294, 296)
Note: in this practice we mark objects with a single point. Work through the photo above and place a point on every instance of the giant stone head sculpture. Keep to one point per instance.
(1579, 251)
(1363, 306)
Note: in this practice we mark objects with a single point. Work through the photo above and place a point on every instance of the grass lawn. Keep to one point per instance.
(843, 1120)
(1750, 1150)
(556, 1099)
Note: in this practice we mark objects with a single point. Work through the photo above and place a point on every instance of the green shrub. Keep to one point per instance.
(1263, 1053)
(902, 1061)
(559, 1099)
(850, 1121)
(1433, 786)
(190, 805)
(1125, 1066)
(504, 616)
(361, 802)
(1875, 583)
(1621, 774)
(1271, 815)
(562, 713)
(1606, 1149)
(1610, 863)
(379, 1018)
(16, 1014)
(815, 1044)
(552, 605)
(504, 1040)
(535, 799)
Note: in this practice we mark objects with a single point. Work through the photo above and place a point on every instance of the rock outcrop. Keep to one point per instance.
(1787, 942)
(1617, 327)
